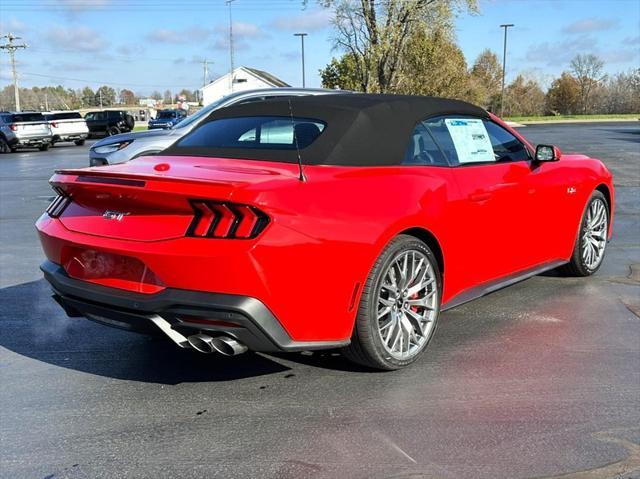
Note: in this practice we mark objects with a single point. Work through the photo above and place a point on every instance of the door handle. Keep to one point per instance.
(481, 196)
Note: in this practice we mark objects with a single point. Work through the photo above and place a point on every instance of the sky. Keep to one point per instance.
(148, 45)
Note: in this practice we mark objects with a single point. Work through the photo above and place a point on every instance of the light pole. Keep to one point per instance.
(302, 35)
(229, 2)
(506, 26)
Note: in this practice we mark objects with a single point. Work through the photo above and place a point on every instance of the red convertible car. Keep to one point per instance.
(310, 223)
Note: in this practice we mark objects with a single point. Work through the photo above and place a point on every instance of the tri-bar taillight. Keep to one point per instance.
(59, 203)
(226, 220)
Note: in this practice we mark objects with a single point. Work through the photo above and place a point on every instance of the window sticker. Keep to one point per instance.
(471, 140)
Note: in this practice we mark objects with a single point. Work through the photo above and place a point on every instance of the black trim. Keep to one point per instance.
(109, 181)
(256, 327)
(491, 286)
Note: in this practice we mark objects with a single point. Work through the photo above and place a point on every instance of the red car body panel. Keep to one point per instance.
(324, 234)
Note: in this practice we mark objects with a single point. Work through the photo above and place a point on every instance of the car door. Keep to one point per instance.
(494, 201)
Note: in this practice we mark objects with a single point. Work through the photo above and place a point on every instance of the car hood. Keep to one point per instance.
(134, 135)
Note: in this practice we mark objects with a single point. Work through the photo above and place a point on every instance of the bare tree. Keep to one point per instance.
(588, 72)
(376, 33)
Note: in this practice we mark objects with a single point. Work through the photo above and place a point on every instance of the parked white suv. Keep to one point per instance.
(23, 129)
(67, 126)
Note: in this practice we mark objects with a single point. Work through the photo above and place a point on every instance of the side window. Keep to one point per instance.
(441, 134)
(422, 150)
(506, 147)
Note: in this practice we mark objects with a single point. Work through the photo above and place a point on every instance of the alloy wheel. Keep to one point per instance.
(594, 234)
(407, 304)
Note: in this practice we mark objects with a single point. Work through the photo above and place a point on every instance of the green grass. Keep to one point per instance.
(625, 116)
(139, 128)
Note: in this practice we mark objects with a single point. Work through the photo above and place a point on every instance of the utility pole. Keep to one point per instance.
(11, 48)
(302, 35)
(100, 95)
(504, 65)
(205, 72)
(229, 2)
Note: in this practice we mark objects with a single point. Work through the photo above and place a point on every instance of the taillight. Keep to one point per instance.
(59, 204)
(226, 220)
(54, 124)
(13, 127)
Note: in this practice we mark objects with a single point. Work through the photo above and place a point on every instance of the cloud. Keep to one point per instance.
(560, 53)
(188, 35)
(619, 56)
(82, 5)
(72, 66)
(243, 30)
(291, 55)
(241, 33)
(128, 50)
(632, 40)
(77, 38)
(589, 25)
(12, 25)
(310, 21)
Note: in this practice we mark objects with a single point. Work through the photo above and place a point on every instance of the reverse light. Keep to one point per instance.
(112, 147)
(226, 220)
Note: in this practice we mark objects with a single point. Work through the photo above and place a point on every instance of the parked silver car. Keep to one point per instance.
(67, 126)
(126, 146)
(24, 130)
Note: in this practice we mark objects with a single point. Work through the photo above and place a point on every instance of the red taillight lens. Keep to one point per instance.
(13, 127)
(54, 124)
(226, 220)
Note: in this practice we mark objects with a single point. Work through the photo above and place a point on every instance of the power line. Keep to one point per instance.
(11, 48)
(104, 82)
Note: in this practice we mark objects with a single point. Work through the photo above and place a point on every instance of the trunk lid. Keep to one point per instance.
(152, 198)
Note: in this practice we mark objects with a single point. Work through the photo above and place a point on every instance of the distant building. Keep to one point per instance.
(244, 78)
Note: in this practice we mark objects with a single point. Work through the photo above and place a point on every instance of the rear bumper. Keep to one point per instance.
(244, 318)
(30, 141)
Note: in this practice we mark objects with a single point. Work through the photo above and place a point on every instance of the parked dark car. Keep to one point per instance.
(167, 118)
(109, 122)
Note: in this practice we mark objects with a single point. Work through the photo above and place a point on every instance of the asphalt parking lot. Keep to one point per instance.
(541, 379)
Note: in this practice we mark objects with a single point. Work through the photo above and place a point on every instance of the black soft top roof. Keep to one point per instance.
(361, 129)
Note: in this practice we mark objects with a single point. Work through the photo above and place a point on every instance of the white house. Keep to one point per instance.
(244, 78)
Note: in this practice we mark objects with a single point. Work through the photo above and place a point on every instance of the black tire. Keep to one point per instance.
(4, 146)
(44, 147)
(366, 346)
(113, 130)
(577, 266)
(79, 142)
(130, 121)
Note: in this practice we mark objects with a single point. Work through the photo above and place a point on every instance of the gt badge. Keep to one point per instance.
(114, 215)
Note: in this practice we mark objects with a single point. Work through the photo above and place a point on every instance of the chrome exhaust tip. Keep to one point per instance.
(202, 343)
(223, 344)
(228, 346)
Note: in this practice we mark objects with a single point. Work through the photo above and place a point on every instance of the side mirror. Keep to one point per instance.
(547, 153)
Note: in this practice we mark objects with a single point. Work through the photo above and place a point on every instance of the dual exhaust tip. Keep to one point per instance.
(221, 344)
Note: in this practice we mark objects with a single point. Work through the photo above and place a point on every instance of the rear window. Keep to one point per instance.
(72, 115)
(167, 114)
(255, 132)
(19, 117)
